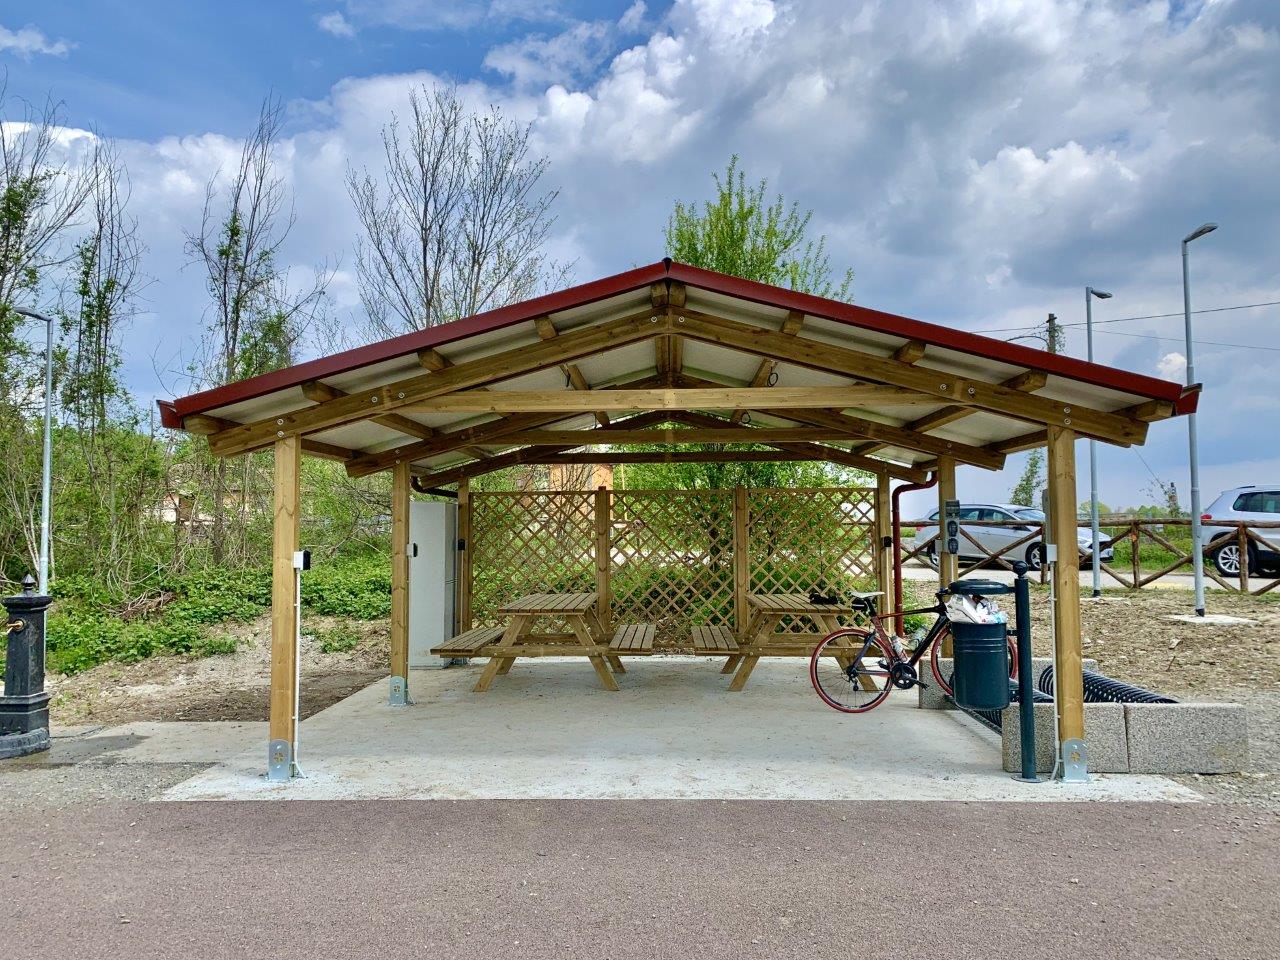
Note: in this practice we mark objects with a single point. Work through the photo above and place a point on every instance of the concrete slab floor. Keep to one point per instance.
(549, 731)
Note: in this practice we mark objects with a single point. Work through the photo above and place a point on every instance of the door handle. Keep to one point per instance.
(415, 550)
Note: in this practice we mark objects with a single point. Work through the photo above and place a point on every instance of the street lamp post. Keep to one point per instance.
(46, 479)
(1197, 554)
(1089, 294)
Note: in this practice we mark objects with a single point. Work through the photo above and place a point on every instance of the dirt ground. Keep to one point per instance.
(230, 687)
(1132, 636)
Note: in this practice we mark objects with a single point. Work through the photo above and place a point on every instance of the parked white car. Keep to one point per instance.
(1015, 522)
(1248, 504)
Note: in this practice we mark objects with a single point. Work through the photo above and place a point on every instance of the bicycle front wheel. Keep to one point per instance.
(849, 670)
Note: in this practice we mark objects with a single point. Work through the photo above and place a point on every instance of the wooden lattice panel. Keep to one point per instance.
(529, 543)
(672, 560)
(805, 540)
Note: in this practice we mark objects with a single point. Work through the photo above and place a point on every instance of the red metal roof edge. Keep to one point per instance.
(1184, 399)
(931, 333)
(400, 346)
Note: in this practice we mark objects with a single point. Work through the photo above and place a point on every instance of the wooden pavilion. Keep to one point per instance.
(725, 359)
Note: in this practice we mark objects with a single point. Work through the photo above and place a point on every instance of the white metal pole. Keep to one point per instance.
(1197, 537)
(46, 479)
(1093, 460)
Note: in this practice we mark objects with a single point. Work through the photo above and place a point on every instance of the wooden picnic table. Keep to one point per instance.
(762, 638)
(586, 638)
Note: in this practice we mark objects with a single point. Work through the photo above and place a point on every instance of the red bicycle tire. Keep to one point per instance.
(817, 686)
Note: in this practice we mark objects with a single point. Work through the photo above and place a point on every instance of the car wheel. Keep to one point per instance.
(1227, 559)
(931, 556)
(1035, 556)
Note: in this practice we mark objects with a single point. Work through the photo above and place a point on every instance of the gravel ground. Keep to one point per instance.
(620, 879)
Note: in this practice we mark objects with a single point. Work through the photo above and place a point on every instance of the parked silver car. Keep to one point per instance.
(1015, 522)
(1250, 504)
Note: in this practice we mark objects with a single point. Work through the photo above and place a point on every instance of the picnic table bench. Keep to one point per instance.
(762, 638)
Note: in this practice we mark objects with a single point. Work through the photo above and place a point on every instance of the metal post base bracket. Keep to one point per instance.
(400, 692)
(281, 764)
(1075, 762)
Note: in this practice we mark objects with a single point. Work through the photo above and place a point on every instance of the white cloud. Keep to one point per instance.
(336, 24)
(1172, 366)
(976, 164)
(29, 40)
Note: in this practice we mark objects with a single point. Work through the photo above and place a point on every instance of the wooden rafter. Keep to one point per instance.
(726, 434)
(318, 392)
(492, 431)
(207, 424)
(547, 331)
(790, 327)
(815, 451)
(460, 376)
(861, 428)
(993, 397)
(667, 298)
(670, 456)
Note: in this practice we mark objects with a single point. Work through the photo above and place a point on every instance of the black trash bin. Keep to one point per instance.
(981, 678)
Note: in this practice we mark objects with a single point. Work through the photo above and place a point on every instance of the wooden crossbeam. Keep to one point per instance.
(668, 398)
(993, 397)
(726, 434)
(671, 456)
(318, 392)
(461, 376)
(489, 432)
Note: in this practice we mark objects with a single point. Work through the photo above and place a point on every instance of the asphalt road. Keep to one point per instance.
(622, 879)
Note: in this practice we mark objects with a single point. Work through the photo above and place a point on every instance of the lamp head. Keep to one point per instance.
(1100, 294)
(1199, 232)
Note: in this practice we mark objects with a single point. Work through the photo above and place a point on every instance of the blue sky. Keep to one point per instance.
(976, 163)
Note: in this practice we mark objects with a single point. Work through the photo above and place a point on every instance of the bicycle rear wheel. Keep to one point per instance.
(849, 670)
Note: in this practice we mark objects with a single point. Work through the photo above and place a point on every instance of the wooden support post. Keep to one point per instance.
(464, 555)
(604, 559)
(741, 562)
(400, 584)
(884, 535)
(1068, 680)
(283, 727)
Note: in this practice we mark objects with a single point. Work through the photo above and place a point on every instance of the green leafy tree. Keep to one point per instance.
(1026, 492)
(742, 233)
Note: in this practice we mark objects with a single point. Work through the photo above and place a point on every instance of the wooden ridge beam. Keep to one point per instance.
(461, 376)
(672, 398)
(992, 397)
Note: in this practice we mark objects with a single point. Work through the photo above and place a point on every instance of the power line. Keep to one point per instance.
(1205, 343)
(1152, 316)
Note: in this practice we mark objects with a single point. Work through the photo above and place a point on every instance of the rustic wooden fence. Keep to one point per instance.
(1127, 536)
(674, 558)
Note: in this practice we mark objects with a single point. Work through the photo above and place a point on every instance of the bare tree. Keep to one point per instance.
(255, 316)
(42, 193)
(457, 223)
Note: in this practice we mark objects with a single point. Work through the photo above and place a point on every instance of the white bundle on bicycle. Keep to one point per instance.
(973, 609)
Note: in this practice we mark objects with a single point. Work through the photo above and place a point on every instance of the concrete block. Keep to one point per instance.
(1104, 738)
(933, 699)
(1187, 737)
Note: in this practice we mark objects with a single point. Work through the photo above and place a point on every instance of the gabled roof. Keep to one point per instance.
(710, 355)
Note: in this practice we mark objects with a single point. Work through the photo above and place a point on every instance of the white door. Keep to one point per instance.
(433, 565)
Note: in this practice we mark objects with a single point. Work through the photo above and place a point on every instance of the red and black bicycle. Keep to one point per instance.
(853, 670)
